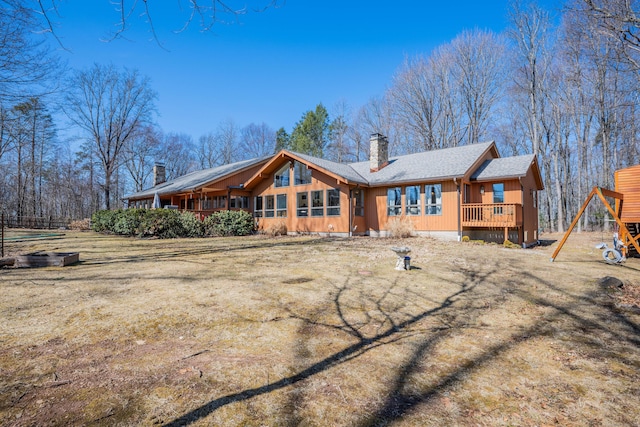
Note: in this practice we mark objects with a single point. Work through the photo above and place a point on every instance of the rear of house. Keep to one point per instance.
(449, 193)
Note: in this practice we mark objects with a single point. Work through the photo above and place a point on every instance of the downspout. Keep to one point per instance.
(455, 181)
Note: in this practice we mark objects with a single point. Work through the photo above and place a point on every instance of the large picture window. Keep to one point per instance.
(257, 206)
(394, 201)
(317, 203)
(301, 174)
(333, 202)
(269, 207)
(281, 205)
(281, 178)
(302, 204)
(412, 199)
(433, 199)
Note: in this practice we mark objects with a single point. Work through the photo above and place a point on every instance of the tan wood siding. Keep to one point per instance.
(377, 217)
(309, 224)
(628, 183)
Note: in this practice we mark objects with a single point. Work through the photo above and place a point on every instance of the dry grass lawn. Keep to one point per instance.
(309, 331)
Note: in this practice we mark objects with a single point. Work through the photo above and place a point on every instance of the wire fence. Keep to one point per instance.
(46, 223)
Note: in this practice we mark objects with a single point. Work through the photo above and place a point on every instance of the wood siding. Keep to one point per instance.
(377, 217)
(309, 224)
(628, 183)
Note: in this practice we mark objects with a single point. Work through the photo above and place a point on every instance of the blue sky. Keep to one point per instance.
(271, 66)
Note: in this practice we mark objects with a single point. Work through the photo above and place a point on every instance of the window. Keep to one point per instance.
(498, 197)
(412, 199)
(301, 174)
(281, 178)
(317, 203)
(358, 195)
(281, 206)
(302, 203)
(239, 202)
(268, 207)
(219, 202)
(257, 207)
(206, 203)
(191, 204)
(333, 202)
(394, 201)
(433, 199)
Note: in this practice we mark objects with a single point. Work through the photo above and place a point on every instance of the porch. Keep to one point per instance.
(492, 215)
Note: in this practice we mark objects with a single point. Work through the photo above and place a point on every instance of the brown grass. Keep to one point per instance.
(318, 331)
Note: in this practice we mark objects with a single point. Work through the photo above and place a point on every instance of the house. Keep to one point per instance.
(448, 193)
(202, 192)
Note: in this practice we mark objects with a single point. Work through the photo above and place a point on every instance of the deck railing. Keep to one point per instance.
(492, 215)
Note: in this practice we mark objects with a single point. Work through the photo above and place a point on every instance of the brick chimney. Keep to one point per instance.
(378, 152)
(159, 174)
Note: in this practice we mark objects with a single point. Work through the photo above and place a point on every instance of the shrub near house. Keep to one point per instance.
(166, 223)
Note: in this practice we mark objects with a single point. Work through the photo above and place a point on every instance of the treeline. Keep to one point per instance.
(562, 84)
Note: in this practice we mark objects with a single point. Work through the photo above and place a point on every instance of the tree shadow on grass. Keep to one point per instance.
(609, 322)
(389, 329)
(151, 255)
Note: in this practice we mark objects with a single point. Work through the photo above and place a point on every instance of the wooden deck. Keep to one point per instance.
(492, 215)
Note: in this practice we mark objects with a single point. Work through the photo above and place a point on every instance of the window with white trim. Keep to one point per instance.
(498, 197)
(412, 199)
(394, 201)
(433, 199)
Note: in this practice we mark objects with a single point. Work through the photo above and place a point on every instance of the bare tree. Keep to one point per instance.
(178, 154)
(26, 64)
(110, 107)
(618, 20)
(340, 148)
(207, 151)
(257, 140)
(206, 13)
(480, 72)
(227, 137)
(139, 155)
(417, 101)
(529, 32)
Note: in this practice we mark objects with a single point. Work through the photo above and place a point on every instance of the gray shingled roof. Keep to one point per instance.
(196, 179)
(427, 166)
(505, 167)
(340, 169)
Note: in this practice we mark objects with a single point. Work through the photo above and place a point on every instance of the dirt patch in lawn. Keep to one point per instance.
(319, 331)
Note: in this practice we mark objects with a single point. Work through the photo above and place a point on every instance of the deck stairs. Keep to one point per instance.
(634, 229)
